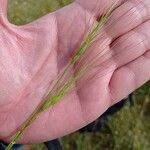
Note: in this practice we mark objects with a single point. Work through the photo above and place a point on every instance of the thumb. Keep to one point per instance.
(3, 10)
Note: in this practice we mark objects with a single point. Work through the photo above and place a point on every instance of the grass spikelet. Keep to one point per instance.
(62, 86)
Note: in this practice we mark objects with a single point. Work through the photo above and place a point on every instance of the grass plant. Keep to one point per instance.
(62, 86)
(123, 133)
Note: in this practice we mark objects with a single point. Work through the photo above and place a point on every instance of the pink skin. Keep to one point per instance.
(29, 57)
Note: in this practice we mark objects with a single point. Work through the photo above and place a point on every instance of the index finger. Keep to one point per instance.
(98, 7)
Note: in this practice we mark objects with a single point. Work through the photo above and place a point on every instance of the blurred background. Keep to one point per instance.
(124, 127)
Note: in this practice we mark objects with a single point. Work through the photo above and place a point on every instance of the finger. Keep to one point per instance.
(130, 77)
(97, 7)
(125, 49)
(131, 45)
(128, 16)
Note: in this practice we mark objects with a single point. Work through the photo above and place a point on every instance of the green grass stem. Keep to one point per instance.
(58, 92)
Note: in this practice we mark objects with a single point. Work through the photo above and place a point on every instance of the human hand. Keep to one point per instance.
(33, 54)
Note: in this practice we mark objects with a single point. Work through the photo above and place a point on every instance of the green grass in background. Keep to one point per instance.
(25, 11)
(129, 129)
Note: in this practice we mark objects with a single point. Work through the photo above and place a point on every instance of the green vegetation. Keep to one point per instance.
(129, 129)
(25, 11)
(63, 86)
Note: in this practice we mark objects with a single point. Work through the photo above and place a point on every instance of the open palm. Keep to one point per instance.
(32, 55)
